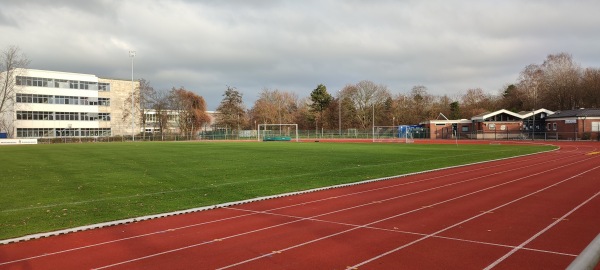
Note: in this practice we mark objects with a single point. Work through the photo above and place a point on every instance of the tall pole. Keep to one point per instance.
(533, 123)
(373, 121)
(132, 55)
(340, 112)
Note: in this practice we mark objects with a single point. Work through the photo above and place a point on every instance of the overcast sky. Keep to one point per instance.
(447, 46)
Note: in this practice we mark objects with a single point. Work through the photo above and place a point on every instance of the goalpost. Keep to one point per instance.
(385, 134)
(277, 132)
(399, 134)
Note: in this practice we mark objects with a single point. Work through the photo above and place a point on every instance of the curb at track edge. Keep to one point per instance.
(223, 205)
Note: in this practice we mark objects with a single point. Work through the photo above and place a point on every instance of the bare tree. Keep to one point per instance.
(420, 102)
(560, 82)
(591, 88)
(12, 64)
(143, 94)
(475, 102)
(366, 96)
(161, 104)
(528, 86)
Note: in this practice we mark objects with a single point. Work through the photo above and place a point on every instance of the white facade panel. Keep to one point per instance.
(58, 91)
(60, 75)
(55, 108)
(58, 124)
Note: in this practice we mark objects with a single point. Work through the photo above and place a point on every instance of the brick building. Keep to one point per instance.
(580, 124)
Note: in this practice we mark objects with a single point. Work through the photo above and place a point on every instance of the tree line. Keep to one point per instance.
(558, 83)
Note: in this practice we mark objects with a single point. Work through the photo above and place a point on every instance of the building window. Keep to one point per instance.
(104, 116)
(492, 126)
(95, 132)
(74, 84)
(104, 87)
(596, 126)
(58, 83)
(34, 132)
(104, 101)
(553, 126)
(465, 128)
(68, 116)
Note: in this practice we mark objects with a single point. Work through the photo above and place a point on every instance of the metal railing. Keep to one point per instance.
(589, 257)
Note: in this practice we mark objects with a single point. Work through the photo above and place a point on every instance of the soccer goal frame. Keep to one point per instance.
(392, 134)
(385, 134)
(277, 134)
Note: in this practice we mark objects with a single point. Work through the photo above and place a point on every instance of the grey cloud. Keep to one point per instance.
(448, 46)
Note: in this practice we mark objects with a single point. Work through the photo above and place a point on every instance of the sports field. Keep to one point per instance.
(51, 187)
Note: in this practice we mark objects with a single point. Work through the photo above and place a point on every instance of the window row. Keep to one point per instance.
(62, 132)
(58, 83)
(550, 126)
(69, 116)
(48, 99)
(154, 117)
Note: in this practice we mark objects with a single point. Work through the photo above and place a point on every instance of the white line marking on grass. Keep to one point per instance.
(235, 217)
(192, 210)
(278, 208)
(235, 203)
(129, 238)
(517, 248)
(259, 180)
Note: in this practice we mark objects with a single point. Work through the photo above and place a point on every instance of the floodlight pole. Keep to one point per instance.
(373, 134)
(132, 55)
(533, 123)
(340, 112)
(393, 126)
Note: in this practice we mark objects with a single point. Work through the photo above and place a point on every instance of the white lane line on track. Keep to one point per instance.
(517, 248)
(469, 219)
(415, 210)
(282, 224)
(121, 239)
(137, 219)
(536, 157)
(279, 208)
(291, 222)
(407, 232)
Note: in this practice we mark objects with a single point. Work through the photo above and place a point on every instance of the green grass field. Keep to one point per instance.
(51, 187)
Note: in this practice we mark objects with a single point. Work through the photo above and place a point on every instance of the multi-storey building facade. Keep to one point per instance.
(60, 104)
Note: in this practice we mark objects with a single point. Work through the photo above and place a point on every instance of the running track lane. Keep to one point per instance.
(532, 212)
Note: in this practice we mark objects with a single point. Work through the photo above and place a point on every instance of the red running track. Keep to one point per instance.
(532, 212)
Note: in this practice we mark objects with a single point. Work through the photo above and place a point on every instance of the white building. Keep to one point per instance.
(172, 127)
(60, 104)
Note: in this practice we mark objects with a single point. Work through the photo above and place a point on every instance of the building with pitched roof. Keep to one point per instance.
(501, 124)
